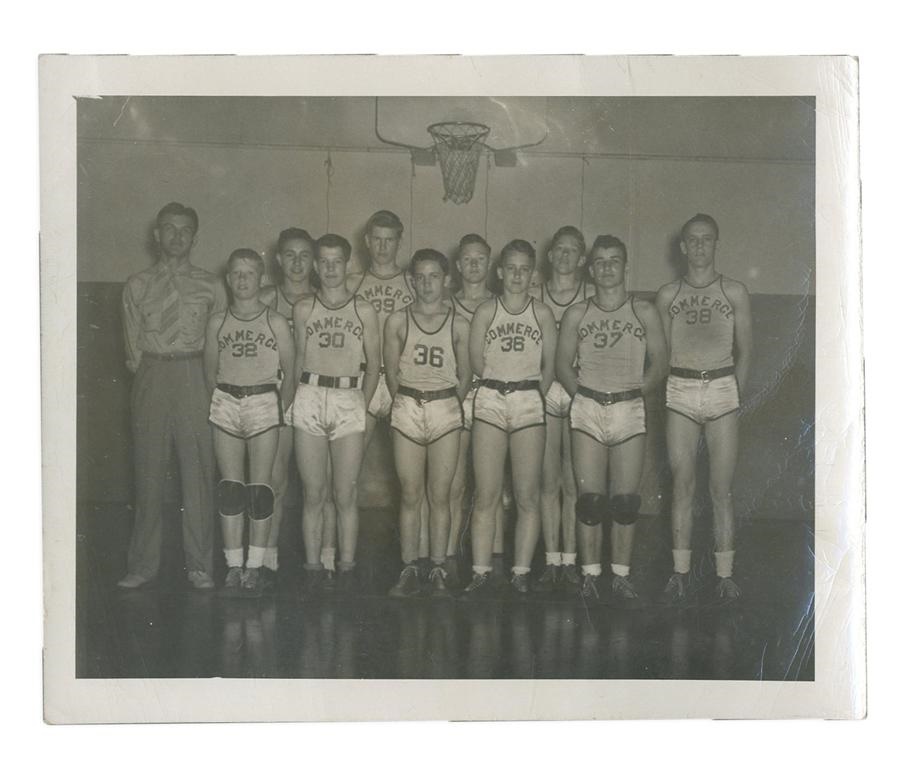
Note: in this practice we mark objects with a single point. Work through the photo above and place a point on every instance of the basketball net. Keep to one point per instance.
(458, 148)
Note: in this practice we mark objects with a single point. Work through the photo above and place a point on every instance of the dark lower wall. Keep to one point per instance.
(775, 472)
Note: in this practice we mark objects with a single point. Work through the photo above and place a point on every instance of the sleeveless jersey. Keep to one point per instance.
(248, 351)
(284, 307)
(702, 327)
(386, 294)
(461, 308)
(428, 360)
(513, 344)
(334, 339)
(559, 309)
(611, 348)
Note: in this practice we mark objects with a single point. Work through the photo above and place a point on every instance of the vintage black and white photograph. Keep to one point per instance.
(447, 387)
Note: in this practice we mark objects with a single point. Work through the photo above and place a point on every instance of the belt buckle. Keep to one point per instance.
(704, 376)
(606, 398)
(507, 388)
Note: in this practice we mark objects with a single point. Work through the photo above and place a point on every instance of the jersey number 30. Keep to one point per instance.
(331, 340)
(428, 355)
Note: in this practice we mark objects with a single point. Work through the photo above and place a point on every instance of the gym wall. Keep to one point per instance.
(247, 186)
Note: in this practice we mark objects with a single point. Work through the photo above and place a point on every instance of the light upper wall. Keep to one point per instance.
(745, 161)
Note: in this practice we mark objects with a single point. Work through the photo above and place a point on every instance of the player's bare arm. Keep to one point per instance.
(547, 322)
(477, 331)
(392, 348)
(461, 347)
(567, 347)
(354, 280)
(657, 348)
(371, 348)
(301, 312)
(664, 298)
(737, 294)
(211, 350)
(285, 342)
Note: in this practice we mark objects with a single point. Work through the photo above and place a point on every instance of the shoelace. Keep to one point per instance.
(437, 572)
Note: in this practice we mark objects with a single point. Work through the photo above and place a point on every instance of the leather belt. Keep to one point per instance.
(701, 375)
(426, 396)
(246, 391)
(331, 382)
(609, 397)
(505, 387)
(171, 356)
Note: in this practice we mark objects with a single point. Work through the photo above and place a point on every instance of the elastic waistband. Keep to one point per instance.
(331, 382)
(609, 397)
(426, 396)
(702, 375)
(171, 356)
(246, 391)
(505, 387)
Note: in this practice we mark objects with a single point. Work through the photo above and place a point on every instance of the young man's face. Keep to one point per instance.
(331, 266)
(244, 279)
(516, 271)
(429, 281)
(474, 262)
(175, 235)
(383, 243)
(566, 256)
(608, 268)
(699, 244)
(295, 259)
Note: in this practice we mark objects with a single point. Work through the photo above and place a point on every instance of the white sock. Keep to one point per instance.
(234, 557)
(255, 556)
(554, 558)
(480, 570)
(682, 559)
(568, 559)
(521, 570)
(622, 570)
(270, 560)
(328, 558)
(591, 569)
(724, 563)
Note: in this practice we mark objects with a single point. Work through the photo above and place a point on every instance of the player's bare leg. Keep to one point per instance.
(722, 444)
(329, 527)
(489, 448)
(424, 545)
(626, 463)
(590, 463)
(550, 505)
(346, 459)
(497, 550)
(526, 449)
(410, 460)
(262, 449)
(280, 469)
(571, 579)
(312, 459)
(233, 502)
(457, 498)
(441, 465)
(682, 439)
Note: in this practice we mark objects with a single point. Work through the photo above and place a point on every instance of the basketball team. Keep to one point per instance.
(539, 385)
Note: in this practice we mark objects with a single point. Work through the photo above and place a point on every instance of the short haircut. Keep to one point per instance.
(518, 246)
(245, 254)
(333, 241)
(177, 209)
(605, 242)
(294, 233)
(386, 219)
(700, 218)
(473, 239)
(569, 231)
(429, 254)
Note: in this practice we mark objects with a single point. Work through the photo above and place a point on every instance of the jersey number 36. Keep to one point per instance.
(428, 355)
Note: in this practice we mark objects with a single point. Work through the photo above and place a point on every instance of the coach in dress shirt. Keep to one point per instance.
(166, 308)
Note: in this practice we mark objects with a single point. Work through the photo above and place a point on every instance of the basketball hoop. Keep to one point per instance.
(458, 146)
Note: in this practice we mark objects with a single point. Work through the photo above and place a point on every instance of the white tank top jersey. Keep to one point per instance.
(559, 309)
(386, 294)
(284, 307)
(611, 348)
(248, 351)
(334, 339)
(428, 360)
(513, 344)
(461, 308)
(702, 327)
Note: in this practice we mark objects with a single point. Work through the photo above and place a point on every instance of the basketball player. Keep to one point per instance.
(512, 342)
(165, 310)
(426, 349)
(564, 289)
(248, 349)
(335, 332)
(604, 343)
(474, 266)
(706, 317)
(294, 256)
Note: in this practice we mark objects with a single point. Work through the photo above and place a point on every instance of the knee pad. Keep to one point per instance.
(231, 497)
(262, 501)
(591, 508)
(624, 508)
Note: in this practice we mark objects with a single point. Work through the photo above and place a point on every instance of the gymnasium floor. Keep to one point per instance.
(173, 631)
